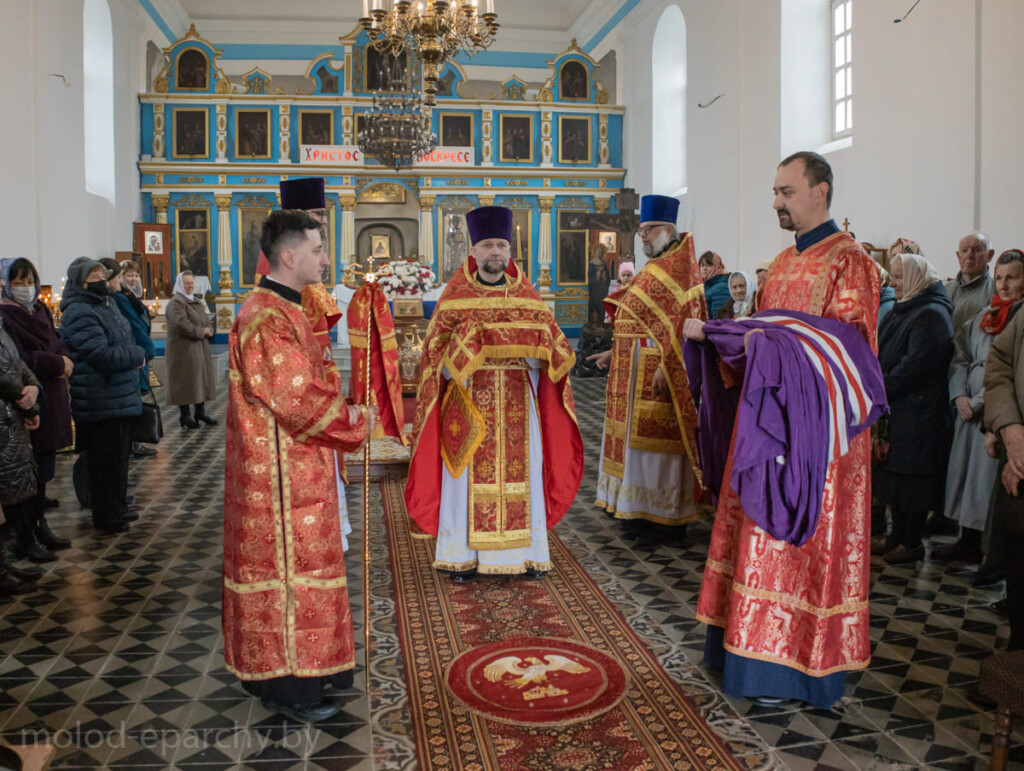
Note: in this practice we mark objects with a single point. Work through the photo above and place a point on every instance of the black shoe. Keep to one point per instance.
(10, 585)
(1000, 608)
(27, 547)
(533, 575)
(188, 423)
(939, 524)
(464, 576)
(113, 528)
(51, 503)
(31, 573)
(986, 578)
(961, 551)
(206, 419)
(48, 538)
(313, 714)
(129, 500)
(139, 450)
(130, 516)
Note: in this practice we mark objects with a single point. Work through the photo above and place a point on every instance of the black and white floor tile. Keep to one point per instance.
(116, 658)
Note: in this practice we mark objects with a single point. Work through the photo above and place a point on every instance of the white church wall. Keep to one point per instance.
(911, 169)
(49, 214)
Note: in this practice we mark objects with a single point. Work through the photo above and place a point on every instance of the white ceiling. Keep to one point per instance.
(548, 15)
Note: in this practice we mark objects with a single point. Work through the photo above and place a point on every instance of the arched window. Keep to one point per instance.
(668, 111)
(98, 95)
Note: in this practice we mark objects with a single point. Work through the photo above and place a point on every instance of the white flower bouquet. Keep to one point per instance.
(405, 280)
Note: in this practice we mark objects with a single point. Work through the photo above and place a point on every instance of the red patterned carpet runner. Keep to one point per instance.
(514, 674)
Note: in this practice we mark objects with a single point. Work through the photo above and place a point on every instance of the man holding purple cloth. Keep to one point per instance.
(785, 589)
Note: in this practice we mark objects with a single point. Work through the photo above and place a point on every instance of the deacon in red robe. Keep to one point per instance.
(307, 194)
(497, 455)
(786, 621)
(286, 617)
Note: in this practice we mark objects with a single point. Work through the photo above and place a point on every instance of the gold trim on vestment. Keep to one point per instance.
(253, 326)
(643, 408)
(456, 397)
(235, 376)
(329, 416)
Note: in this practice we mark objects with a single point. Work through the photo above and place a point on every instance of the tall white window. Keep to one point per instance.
(668, 109)
(842, 69)
(98, 95)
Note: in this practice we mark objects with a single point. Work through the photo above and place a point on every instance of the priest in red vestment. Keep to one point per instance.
(786, 621)
(286, 617)
(497, 455)
(650, 475)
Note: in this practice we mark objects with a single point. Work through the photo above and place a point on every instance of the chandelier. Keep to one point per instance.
(436, 31)
(396, 129)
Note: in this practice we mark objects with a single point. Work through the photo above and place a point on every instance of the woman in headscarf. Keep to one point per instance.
(972, 473)
(190, 374)
(104, 388)
(915, 347)
(126, 290)
(743, 291)
(716, 282)
(29, 323)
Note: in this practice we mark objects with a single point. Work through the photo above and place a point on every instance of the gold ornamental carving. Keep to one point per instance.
(190, 201)
(579, 292)
(225, 282)
(544, 278)
(516, 183)
(223, 202)
(571, 313)
(427, 202)
(191, 180)
(486, 200)
(347, 202)
(224, 319)
(161, 203)
(222, 87)
(254, 202)
(546, 204)
(601, 205)
(161, 85)
(575, 183)
(254, 180)
(574, 203)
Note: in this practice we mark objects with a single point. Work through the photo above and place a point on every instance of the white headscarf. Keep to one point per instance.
(746, 307)
(179, 286)
(918, 273)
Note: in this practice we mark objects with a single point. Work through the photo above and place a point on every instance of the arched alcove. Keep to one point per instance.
(668, 110)
(98, 96)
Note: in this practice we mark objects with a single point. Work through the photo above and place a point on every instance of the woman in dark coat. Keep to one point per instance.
(104, 388)
(915, 346)
(716, 282)
(190, 375)
(129, 303)
(30, 325)
(19, 414)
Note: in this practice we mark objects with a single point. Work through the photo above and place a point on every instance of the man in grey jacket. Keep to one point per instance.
(973, 287)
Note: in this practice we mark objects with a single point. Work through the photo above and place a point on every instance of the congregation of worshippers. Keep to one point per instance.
(819, 411)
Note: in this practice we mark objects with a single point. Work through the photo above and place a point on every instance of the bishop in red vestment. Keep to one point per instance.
(497, 456)
(286, 617)
(788, 622)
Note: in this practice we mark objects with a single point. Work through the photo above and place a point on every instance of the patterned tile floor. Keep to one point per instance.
(117, 658)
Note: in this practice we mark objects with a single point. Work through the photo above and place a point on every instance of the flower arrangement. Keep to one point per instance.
(405, 279)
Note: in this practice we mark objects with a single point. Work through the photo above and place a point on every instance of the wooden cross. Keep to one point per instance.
(846, 224)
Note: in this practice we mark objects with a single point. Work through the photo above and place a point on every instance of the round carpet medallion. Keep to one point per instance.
(537, 681)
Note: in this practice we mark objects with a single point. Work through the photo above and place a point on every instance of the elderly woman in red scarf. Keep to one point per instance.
(972, 472)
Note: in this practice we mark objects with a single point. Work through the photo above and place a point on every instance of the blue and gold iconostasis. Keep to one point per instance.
(213, 153)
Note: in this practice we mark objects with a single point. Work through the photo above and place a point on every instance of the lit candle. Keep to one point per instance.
(519, 246)
(366, 8)
(490, 6)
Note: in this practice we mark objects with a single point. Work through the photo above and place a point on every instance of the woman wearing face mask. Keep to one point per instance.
(30, 326)
(190, 375)
(104, 388)
(742, 291)
(915, 345)
(126, 289)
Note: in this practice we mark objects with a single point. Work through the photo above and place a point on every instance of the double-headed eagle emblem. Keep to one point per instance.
(531, 670)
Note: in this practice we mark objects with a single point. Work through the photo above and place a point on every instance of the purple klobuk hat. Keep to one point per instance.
(489, 222)
(305, 193)
(659, 208)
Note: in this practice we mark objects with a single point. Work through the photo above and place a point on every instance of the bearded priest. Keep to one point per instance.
(497, 455)
(650, 472)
